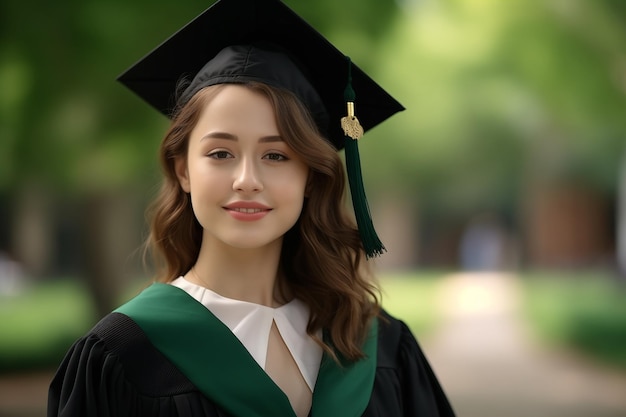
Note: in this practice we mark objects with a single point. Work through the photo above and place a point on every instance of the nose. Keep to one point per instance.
(247, 177)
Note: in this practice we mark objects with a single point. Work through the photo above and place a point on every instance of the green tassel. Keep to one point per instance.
(353, 131)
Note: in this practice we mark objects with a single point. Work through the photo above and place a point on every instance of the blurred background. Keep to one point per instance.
(500, 192)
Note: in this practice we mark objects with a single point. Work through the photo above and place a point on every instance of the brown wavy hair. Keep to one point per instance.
(322, 260)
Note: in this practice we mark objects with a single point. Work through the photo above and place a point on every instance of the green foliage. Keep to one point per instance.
(493, 90)
(497, 92)
(66, 123)
(586, 312)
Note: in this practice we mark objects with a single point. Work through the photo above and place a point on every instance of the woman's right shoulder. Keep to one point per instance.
(116, 346)
(115, 365)
(114, 336)
(117, 331)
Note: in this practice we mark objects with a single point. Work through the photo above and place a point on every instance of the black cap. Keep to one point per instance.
(247, 34)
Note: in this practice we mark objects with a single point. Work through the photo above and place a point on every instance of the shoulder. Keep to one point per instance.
(397, 345)
(394, 336)
(391, 324)
(118, 331)
(403, 364)
(115, 371)
(118, 344)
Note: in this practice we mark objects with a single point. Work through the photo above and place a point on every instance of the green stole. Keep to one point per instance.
(208, 353)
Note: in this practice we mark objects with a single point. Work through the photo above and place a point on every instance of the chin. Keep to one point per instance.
(248, 243)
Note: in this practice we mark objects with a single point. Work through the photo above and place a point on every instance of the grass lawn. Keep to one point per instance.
(413, 298)
(38, 326)
(583, 311)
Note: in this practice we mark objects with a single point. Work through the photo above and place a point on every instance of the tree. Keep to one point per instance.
(84, 145)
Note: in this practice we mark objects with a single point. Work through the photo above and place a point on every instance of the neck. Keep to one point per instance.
(241, 274)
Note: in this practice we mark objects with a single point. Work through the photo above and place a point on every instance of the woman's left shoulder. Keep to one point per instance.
(404, 376)
(397, 345)
(393, 335)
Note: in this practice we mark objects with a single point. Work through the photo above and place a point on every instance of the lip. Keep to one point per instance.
(247, 210)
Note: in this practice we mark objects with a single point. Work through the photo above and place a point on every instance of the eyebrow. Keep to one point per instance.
(230, 136)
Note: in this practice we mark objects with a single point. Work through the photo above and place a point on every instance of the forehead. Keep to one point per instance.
(236, 107)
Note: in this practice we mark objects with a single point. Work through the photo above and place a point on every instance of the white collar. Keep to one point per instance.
(251, 324)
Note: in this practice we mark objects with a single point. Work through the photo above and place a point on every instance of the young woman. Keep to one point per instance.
(263, 306)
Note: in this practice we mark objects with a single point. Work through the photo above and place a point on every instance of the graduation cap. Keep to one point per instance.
(237, 41)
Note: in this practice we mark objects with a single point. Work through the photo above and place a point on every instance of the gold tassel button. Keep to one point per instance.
(350, 124)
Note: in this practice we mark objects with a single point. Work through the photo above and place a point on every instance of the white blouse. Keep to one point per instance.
(251, 324)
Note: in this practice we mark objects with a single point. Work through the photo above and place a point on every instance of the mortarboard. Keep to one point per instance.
(264, 40)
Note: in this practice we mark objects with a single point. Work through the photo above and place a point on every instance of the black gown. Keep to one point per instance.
(116, 371)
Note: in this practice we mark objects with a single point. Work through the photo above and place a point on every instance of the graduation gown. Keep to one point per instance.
(163, 354)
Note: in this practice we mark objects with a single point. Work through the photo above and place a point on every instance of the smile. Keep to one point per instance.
(247, 210)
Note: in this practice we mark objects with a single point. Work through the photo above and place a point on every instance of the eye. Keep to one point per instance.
(220, 155)
(274, 156)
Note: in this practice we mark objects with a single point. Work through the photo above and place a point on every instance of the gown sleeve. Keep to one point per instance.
(114, 371)
(405, 385)
(82, 384)
(422, 394)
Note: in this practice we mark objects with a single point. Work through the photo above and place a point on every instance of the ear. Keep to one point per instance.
(180, 166)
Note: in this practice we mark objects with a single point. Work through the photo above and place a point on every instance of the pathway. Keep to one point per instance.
(491, 367)
(24, 395)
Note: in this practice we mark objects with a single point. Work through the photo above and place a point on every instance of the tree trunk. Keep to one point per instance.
(110, 236)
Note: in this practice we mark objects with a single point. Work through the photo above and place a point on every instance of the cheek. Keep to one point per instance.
(202, 175)
(296, 182)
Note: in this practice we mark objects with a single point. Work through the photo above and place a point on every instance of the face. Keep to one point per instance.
(246, 184)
